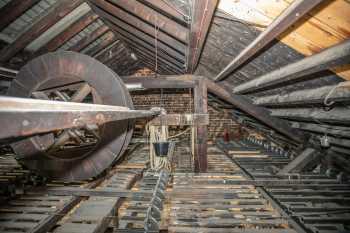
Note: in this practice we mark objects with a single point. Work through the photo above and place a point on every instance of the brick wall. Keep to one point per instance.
(182, 102)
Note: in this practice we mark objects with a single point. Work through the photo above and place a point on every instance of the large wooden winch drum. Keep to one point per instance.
(73, 154)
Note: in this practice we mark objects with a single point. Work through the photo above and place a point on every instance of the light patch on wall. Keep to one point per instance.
(59, 27)
(244, 12)
(133, 56)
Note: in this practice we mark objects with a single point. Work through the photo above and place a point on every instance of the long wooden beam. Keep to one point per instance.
(12, 10)
(25, 116)
(332, 94)
(202, 14)
(338, 115)
(224, 92)
(334, 56)
(181, 119)
(288, 17)
(300, 162)
(61, 9)
(322, 128)
(67, 34)
(171, 82)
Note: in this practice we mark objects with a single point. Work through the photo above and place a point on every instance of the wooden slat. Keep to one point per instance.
(139, 24)
(61, 9)
(110, 38)
(154, 18)
(134, 31)
(89, 39)
(167, 9)
(71, 31)
(12, 10)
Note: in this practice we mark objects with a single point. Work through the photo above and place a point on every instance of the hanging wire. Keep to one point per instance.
(341, 84)
(156, 30)
(187, 17)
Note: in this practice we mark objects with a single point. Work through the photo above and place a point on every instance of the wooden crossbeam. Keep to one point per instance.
(181, 119)
(171, 82)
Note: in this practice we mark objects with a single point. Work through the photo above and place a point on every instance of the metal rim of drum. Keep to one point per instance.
(64, 67)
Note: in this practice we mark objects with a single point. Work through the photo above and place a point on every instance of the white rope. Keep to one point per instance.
(158, 134)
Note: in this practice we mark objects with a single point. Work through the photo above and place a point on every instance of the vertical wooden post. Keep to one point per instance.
(201, 131)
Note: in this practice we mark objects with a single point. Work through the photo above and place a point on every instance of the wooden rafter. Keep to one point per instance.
(202, 14)
(67, 34)
(149, 48)
(14, 9)
(109, 39)
(89, 38)
(152, 17)
(61, 9)
(137, 24)
(334, 56)
(294, 12)
(121, 25)
(224, 92)
(167, 9)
